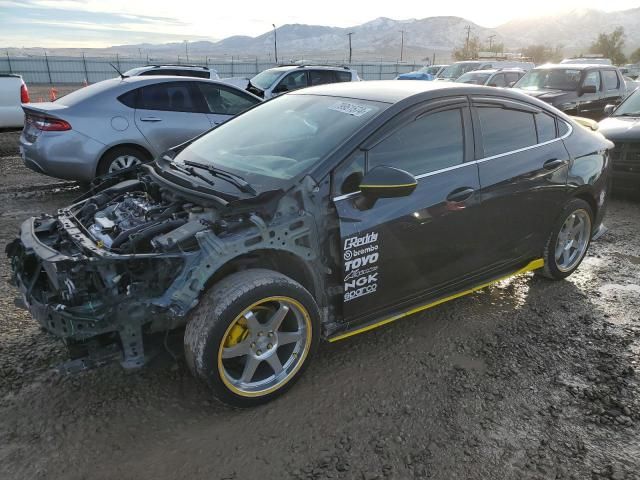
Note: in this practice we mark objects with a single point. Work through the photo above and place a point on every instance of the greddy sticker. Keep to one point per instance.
(355, 109)
(360, 265)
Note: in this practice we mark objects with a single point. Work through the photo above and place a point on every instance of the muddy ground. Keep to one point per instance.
(529, 379)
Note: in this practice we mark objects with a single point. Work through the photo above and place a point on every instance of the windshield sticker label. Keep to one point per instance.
(349, 108)
(360, 265)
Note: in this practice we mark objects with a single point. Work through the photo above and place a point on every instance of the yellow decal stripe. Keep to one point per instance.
(534, 265)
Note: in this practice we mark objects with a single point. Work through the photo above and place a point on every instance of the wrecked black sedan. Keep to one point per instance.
(318, 215)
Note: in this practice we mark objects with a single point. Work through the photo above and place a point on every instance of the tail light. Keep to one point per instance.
(24, 93)
(48, 124)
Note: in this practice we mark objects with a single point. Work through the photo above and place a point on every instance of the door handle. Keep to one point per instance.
(553, 163)
(150, 119)
(460, 194)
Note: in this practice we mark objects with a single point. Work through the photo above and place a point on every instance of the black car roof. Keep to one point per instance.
(394, 91)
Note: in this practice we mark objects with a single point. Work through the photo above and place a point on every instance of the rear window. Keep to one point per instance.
(546, 126)
(84, 93)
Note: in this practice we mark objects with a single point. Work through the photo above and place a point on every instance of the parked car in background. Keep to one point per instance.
(119, 123)
(425, 73)
(630, 70)
(321, 214)
(197, 71)
(622, 127)
(492, 78)
(13, 93)
(582, 90)
(287, 78)
(455, 70)
(586, 61)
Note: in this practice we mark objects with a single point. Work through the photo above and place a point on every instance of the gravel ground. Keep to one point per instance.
(528, 379)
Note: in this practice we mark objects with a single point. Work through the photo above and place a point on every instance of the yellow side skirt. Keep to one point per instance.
(534, 265)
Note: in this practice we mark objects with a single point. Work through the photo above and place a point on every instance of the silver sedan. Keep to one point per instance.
(121, 122)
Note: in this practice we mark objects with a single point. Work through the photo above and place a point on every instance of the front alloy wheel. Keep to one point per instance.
(252, 336)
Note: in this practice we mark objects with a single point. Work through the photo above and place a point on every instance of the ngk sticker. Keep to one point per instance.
(361, 272)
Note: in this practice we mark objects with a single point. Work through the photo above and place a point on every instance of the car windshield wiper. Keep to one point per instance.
(628, 114)
(192, 173)
(236, 180)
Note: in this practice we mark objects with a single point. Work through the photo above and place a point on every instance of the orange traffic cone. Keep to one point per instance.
(86, 84)
(53, 94)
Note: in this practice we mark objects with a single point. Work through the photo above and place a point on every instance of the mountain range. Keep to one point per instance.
(381, 38)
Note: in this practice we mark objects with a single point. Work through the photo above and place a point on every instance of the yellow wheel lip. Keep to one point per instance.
(301, 360)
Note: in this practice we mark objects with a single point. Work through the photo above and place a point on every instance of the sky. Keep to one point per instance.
(103, 23)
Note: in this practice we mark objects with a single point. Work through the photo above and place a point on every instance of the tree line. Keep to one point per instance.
(609, 45)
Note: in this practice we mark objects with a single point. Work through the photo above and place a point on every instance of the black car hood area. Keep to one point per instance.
(549, 96)
(621, 128)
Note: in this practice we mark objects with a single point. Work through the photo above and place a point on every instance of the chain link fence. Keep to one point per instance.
(55, 70)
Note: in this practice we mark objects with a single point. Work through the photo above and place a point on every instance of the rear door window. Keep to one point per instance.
(320, 77)
(611, 80)
(546, 127)
(505, 130)
(170, 96)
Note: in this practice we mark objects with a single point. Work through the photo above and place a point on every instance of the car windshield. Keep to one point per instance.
(630, 107)
(283, 137)
(550, 79)
(473, 77)
(429, 70)
(457, 69)
(265, 79)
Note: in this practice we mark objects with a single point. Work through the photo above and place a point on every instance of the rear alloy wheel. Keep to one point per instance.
(570, 240)
(120, 158)
(252, 336)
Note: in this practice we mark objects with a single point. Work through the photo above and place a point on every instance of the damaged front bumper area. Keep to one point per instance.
(83, 294)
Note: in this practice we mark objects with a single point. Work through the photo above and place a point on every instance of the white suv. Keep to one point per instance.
(177, 70)
(286, 78)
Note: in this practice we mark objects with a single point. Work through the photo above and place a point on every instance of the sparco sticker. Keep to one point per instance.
(360, 265)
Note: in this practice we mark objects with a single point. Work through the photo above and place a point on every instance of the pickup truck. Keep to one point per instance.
(13, 93)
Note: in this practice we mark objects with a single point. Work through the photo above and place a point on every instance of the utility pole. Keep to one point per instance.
(186, 49)
(350, 51)
(491, 37)
(275, 41)
(401, 44)
(468, 29)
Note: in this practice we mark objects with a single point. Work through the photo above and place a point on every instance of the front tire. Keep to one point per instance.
(569, 240)
(252, 336)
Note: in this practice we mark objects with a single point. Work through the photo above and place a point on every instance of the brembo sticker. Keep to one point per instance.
(360, 265)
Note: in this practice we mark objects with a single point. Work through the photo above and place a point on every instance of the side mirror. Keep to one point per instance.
(281, 88)
(386, 182)
(608, 109)
(587, 89)
(511, 84)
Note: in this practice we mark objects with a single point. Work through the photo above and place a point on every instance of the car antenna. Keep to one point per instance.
(119, 72)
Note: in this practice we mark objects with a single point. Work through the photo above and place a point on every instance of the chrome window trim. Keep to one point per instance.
(480, 160)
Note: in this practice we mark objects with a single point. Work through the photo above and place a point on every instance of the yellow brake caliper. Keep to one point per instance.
(237, 333)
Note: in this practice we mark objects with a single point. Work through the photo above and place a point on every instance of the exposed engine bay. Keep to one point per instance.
(134, 258)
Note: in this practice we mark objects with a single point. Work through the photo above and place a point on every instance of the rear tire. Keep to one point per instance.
(252, 336)
(569, 241)
(119, 158)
